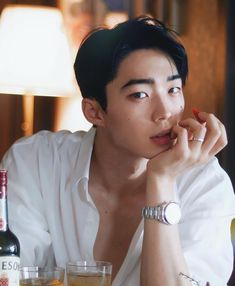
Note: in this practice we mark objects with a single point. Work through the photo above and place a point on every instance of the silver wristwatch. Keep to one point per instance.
(167, 213)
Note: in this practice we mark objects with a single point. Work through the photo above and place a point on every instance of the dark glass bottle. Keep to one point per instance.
(9, 243)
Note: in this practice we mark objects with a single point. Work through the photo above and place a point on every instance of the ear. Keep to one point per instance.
(93, 112)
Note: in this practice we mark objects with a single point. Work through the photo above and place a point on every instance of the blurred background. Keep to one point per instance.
(38, 90)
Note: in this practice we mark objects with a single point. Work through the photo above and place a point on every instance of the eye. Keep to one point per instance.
(139, 95)
(175, 90)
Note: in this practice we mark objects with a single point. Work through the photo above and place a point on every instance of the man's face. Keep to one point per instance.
(144, 101)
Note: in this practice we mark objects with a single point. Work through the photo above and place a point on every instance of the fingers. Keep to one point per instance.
(187, 149)
(206, 138)
(181, 144)
(215, 138)
(195, 129)
(196, 112)
(196, 135)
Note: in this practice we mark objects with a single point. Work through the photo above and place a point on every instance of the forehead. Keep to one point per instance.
(142, 61)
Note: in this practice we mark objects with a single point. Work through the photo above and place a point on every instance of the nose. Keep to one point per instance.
(161, 110)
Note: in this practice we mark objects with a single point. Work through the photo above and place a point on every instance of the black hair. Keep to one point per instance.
(102, 51)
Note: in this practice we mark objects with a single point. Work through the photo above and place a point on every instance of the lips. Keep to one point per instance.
(162, 138)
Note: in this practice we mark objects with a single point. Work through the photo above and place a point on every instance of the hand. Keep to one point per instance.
(186, 150)
(215, 138)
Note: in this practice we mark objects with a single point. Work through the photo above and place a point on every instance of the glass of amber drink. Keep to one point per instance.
(41, 276)
(86, 273)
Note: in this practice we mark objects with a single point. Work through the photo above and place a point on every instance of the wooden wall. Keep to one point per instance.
(202, 39)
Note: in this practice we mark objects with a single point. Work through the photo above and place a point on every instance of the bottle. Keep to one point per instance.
(9, 243)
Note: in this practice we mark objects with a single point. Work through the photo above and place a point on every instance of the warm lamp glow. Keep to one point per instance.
(70, 115)
(35, 56)
(34, 52)
(114, 18)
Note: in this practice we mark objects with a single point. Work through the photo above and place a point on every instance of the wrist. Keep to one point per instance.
(161, 170)
(160, 176)
(159, 189)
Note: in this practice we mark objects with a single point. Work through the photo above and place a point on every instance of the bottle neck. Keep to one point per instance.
(3, 209)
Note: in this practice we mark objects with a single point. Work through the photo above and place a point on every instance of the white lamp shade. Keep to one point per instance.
(35, 55)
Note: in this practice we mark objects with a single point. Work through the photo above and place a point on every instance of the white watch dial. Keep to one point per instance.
(172, 213)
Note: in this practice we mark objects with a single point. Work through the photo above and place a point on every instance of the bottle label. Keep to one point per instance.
(9, 270)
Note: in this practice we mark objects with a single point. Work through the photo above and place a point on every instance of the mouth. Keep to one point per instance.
(162, 138)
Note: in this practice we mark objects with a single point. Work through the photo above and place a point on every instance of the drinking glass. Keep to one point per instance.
(89, 273)
(41, 276)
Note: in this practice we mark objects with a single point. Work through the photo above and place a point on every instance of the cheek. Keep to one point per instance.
(181, 109)
(180, 105)
(123, 114)
(178, 110)
(119, 123)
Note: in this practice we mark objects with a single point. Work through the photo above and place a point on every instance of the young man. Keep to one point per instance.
(142, 189)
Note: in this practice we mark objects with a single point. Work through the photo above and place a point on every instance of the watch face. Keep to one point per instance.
(172, 213)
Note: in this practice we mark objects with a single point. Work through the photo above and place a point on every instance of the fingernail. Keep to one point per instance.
(196, 111)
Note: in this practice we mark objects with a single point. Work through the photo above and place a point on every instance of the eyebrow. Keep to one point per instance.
(148, 80)
(173, 77)
(138, 81)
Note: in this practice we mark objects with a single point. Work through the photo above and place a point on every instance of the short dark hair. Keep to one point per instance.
(101, 52)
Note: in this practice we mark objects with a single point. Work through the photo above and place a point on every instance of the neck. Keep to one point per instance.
(4, 218)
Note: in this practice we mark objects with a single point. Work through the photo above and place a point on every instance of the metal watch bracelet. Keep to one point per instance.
(168, 213)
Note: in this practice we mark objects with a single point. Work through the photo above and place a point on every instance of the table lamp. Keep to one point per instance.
(35, 56)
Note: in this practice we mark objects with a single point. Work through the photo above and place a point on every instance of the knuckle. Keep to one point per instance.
(185, 155)
(195, 158)
(211, 116)
(223, 141)
(203, 159)
(222, 125)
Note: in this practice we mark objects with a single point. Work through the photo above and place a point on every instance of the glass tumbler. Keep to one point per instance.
(89, 273)
(41, 276)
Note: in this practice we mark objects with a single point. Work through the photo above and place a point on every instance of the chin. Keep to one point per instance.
(158, 151)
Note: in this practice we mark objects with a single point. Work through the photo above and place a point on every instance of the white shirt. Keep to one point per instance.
(56, 221)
